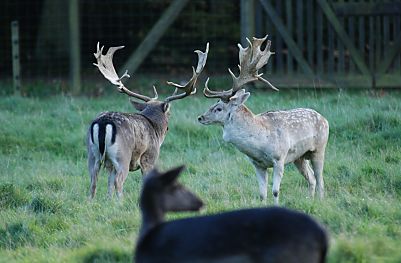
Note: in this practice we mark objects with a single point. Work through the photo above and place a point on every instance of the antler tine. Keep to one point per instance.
(251, 59)
(189, 88)
(106, 67)
(223, 95)
(267, 82)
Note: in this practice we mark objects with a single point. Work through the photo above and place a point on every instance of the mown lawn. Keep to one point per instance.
(45, 215)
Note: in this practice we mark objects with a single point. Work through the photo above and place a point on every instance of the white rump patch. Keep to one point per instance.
(95, 134)
(109, 134)
(95, 145)
(111, 149)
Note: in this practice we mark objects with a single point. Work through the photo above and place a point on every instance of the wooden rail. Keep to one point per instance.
(348, 43)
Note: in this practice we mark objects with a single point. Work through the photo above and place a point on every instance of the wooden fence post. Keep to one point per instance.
(154, 35)
(292, 46)
(75, 51)
(334, 21)
(15, 57)
(247, 20)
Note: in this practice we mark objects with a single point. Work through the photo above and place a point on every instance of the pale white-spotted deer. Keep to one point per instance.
(128, 141)
(270, 235)
(273, 138)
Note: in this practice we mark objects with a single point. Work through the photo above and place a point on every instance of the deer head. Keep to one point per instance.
(251, 59)
(162, 191)
(106, 67)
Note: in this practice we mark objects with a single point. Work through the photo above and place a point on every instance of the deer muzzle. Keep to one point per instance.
(203, 120)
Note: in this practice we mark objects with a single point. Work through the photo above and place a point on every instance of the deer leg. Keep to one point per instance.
(278, 170)
(261, 175)
(111, 179)
(147, 162)
(94, 167)
(317, 163)
(120, 174)
(134, 165)
(120, 179)
(304, 168)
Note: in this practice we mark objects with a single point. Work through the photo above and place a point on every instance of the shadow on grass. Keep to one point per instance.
(107, 255)
(15, 235)
(53, 185)
(12, 196)
(43, 205)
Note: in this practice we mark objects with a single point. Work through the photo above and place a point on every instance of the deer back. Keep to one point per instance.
(252, 235)
(274, 134)
(131, 132)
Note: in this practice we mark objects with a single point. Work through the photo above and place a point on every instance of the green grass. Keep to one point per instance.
(45, 215)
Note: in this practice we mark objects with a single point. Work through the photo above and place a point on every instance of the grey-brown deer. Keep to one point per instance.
(243, 236)
(125, 142)
(273, 138)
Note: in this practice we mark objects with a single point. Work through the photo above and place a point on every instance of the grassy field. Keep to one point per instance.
(45, 215)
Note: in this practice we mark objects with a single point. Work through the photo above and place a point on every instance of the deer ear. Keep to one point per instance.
(239, 98)
(171, 176)
(166, 107)
(138, 105)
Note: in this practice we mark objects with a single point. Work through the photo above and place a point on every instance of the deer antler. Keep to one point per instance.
(106, 67)
(189, 88)
(251, 59)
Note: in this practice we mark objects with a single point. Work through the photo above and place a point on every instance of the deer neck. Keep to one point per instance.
(159, 122)
(152, 215)
(241, 119)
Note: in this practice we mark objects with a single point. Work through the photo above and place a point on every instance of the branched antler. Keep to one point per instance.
(251, 59)
(106, 67)
(189, 88)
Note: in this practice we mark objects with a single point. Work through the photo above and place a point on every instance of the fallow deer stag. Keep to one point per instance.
(256, 235)
(273, 138)
(125, 142)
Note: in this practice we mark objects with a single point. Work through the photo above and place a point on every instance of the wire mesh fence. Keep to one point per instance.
(35, 31)
(44, 36)
(361, 50)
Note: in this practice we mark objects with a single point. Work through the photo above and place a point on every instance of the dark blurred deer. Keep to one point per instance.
(252, 235)
(273, 138)
(128, 141)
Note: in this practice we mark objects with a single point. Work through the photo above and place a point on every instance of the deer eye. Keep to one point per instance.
(218, 109)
